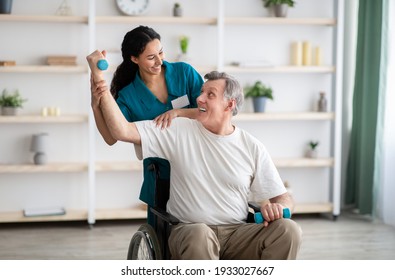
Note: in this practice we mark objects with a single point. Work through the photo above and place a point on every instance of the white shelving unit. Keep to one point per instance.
(20, 178)
(99, 167)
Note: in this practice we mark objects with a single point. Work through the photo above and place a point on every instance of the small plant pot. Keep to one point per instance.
(312, 153)
(259, 104)
(177, 11)
(5, 6)
(280, 10)
(183, 57)
(9, 111)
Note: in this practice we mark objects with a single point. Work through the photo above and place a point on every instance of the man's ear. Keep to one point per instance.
(231, 104)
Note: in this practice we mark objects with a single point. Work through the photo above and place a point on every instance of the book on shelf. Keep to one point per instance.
(252, 64)
(7, 63)
(44, 211)
(62, 60)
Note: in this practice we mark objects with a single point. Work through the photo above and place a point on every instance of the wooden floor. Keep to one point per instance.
(350, 237)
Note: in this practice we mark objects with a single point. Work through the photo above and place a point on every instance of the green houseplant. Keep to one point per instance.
(312, 150)
(259, 93)
(10, 102)
(280, 7)
(184, 42)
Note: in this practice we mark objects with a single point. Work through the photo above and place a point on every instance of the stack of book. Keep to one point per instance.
(7, 63)
(62, 60)
(45, 211)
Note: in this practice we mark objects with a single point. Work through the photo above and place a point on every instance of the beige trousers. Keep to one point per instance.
(279, 241)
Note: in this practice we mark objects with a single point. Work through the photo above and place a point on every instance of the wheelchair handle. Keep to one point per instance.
(102, 64)
(259, 218)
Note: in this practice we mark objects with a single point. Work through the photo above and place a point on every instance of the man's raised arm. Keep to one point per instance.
(118, 126)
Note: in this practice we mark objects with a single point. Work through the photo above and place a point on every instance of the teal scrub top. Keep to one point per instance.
(138, 103)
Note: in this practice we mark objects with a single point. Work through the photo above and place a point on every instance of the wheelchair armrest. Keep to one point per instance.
(254, 206)
(163, 215)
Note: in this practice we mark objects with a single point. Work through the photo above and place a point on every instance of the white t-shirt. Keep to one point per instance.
(212, 176)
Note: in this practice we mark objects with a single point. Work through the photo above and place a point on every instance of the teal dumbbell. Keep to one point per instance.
(102, 64)
(259, 218)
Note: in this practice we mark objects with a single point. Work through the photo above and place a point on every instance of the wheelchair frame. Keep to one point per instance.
(150, 240)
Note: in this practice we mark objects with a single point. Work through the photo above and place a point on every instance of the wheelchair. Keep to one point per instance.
(150, 240)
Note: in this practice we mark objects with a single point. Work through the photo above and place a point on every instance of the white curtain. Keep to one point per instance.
(385, 175)
(350, 45)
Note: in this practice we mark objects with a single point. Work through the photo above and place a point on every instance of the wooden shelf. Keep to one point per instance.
(18, 217)
(119, 166)
(303, 162)
(296, 116)
(137, 213)
(280, 69)
(50, 168)
(281, 21)
(44, 18)
(117, 214)
(48, 69)
(309, 208)
(156, 20)
(40, 119)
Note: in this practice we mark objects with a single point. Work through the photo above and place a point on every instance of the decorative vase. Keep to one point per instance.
(40, 158)
(9, 111)
(5, 6)
(322, 103)
(280, 10)
(259, 104)
(39, 147)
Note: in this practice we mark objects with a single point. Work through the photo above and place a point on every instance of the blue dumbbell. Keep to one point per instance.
(259, 218)
(102, 64)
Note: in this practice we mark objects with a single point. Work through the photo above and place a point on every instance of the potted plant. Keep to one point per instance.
(312, 149)
(177, 10)
(184, 42)
(10, 102)
(280, 7)
(259, 94)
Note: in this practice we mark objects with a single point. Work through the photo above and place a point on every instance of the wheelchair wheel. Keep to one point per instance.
(144, 245)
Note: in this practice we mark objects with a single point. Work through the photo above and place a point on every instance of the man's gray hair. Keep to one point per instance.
(233, 90)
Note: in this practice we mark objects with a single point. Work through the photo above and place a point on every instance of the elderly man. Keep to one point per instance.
(215, 168)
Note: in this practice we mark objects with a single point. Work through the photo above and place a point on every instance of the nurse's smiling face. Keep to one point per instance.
(151, 59)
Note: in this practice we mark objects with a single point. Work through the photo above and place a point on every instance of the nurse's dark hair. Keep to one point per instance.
(233, 89)
(133, 44)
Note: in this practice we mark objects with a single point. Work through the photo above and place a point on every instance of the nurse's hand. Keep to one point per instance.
(165, 119)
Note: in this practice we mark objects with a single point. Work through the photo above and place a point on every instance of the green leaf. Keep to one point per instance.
(11, 100)
(259, 90)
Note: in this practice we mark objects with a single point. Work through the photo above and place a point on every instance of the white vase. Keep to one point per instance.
(38, 146)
